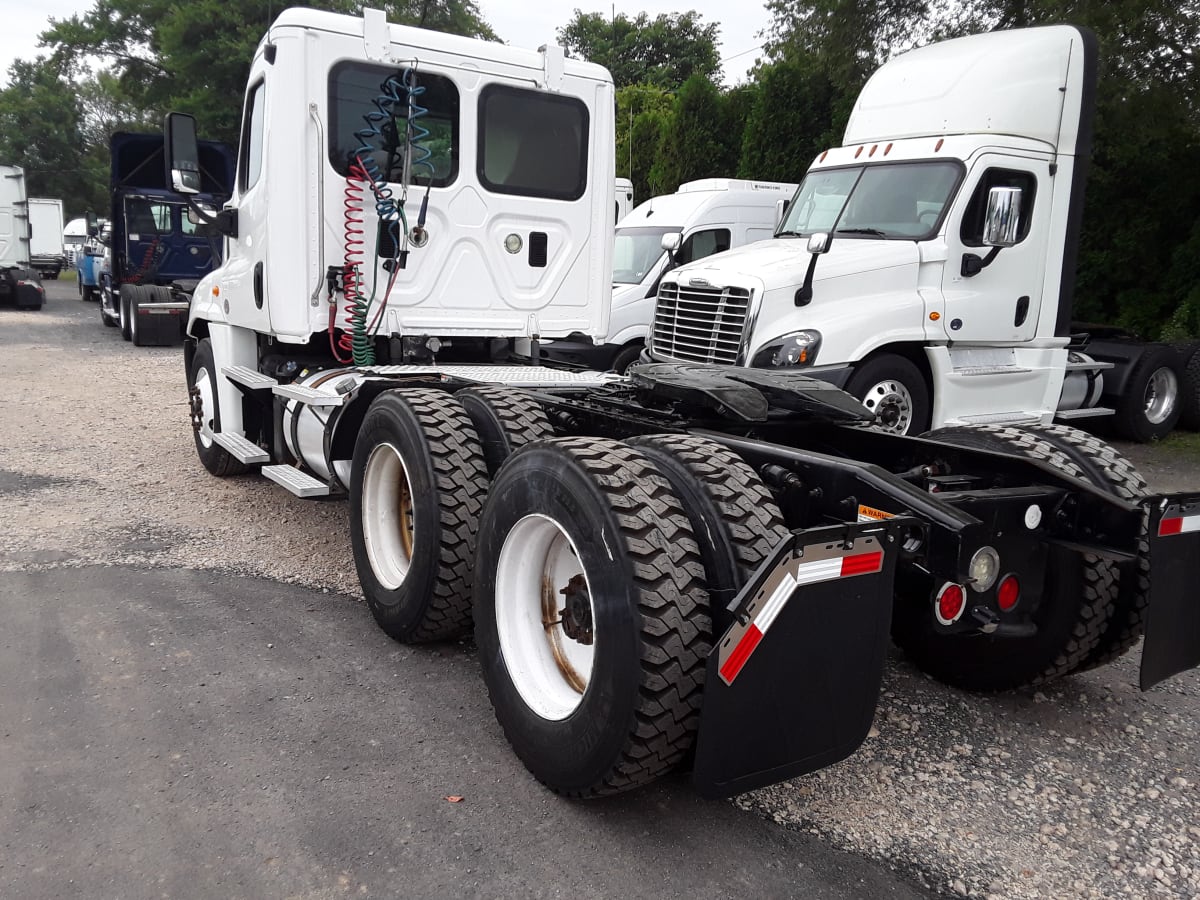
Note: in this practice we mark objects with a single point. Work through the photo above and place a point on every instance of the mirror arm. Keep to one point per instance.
(805, 294)
(226, 221)
(972, 264)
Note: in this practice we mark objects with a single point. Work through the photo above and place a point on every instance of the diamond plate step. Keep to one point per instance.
(252, 379)
(308, 396)
(299, 483)
(970, 371)
(241, 449)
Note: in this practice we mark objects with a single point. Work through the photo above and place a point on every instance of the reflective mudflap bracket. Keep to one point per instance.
(792, 685)
(1173, 614)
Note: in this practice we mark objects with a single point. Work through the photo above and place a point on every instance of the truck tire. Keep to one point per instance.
(206, 413)
(417, 484)
(604, 698)
(1109, 470)
(1082, 590)
(1150, 405)
(627, 357)
(734, 518)
(123, 309)
(895, 390)
(1189, 361)
(505, 420)
(136, 295)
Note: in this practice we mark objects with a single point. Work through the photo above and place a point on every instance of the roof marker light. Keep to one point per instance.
(938, 145)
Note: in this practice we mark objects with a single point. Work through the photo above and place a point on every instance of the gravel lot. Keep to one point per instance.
(1085, 788)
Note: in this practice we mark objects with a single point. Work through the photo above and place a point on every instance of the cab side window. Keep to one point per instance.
(972, 223)
(250, 165)
(701, 244)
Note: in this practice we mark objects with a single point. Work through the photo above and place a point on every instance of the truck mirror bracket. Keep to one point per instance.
(973, 264)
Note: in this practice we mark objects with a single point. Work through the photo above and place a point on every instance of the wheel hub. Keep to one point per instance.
(892, 404)
(576, 614)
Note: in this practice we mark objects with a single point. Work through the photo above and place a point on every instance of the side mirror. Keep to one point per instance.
(182, 153)
(201, 214)
(672, 241)
(93, 225)
(1003, 218)
(819, 243)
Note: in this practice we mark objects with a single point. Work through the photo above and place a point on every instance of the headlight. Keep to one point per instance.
(792, 350)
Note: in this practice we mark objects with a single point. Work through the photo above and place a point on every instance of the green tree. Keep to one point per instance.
(664, 51)
(41, 130)
(790, 122)
(634, 101)
(694, 144)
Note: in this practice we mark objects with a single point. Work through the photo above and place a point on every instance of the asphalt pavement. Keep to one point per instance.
(174, 733)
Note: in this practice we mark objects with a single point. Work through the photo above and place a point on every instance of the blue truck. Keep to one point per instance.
(156, 252)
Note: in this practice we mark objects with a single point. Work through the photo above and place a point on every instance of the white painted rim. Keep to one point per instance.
(549, 670)
(208, 407)
(385, 527)
(893, 403)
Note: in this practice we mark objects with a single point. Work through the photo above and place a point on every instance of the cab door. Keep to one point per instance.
(1001, 301)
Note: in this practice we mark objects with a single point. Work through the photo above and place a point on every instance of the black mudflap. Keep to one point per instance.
(161, 327)
(792, 686)
(1173, 616)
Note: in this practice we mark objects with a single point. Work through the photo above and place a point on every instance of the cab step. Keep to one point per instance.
(1084, 413)
(241, 449)
(299, 483)
(970, 371)
(1013, 418)
(308, 396)
(248, 377)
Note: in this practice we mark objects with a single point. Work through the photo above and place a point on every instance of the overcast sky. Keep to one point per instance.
(522, 23)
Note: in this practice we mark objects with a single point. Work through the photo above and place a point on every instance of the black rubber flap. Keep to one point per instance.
(1173, 616)
(792, 686)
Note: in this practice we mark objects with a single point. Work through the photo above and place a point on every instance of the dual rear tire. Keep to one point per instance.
(582, 571)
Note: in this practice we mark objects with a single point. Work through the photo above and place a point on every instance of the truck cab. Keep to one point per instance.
(927, 264)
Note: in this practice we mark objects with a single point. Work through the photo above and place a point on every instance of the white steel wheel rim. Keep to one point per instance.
(1162, 392)
(204, 387)
(892, 402)
(387, 516)
(550, 670)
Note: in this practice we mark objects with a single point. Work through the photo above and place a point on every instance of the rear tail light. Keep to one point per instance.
(951, 601)
(1008, 593)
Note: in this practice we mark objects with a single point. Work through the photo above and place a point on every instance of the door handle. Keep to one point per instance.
(1022, 312)
(258, 284)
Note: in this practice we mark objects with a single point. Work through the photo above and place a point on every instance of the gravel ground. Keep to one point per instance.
(1084, 788)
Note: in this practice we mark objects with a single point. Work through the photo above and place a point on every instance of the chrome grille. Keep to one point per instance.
(703, 325)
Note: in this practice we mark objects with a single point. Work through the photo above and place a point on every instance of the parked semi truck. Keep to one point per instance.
(20, 284)
(701, 218)
(47, 252)
(693, 564)
(950, 227)
(156, 252)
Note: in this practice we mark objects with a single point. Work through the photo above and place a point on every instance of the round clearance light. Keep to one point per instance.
(984, 568)
(951, 601)
(1009, 593)
(513, 243)
(1033, 517)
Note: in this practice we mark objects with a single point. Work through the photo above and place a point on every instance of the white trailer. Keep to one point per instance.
(19, 281)
(948, 221)
(692, 563)
(48, 252)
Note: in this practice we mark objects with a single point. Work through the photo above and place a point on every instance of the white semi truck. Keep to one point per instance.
(47, 251)
(20, 284)
(941, 243)
(701, 218)
(691, 564)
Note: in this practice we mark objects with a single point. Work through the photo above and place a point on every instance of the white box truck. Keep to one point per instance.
(691, 564)
(701, 218)
(48, 253)
(927, 265)
(19, 281)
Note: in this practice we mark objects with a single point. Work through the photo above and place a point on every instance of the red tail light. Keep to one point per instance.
(1008, 593)
(951, 601)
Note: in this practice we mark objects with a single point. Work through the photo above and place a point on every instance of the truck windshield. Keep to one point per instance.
(900, 201)
(636, 250)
